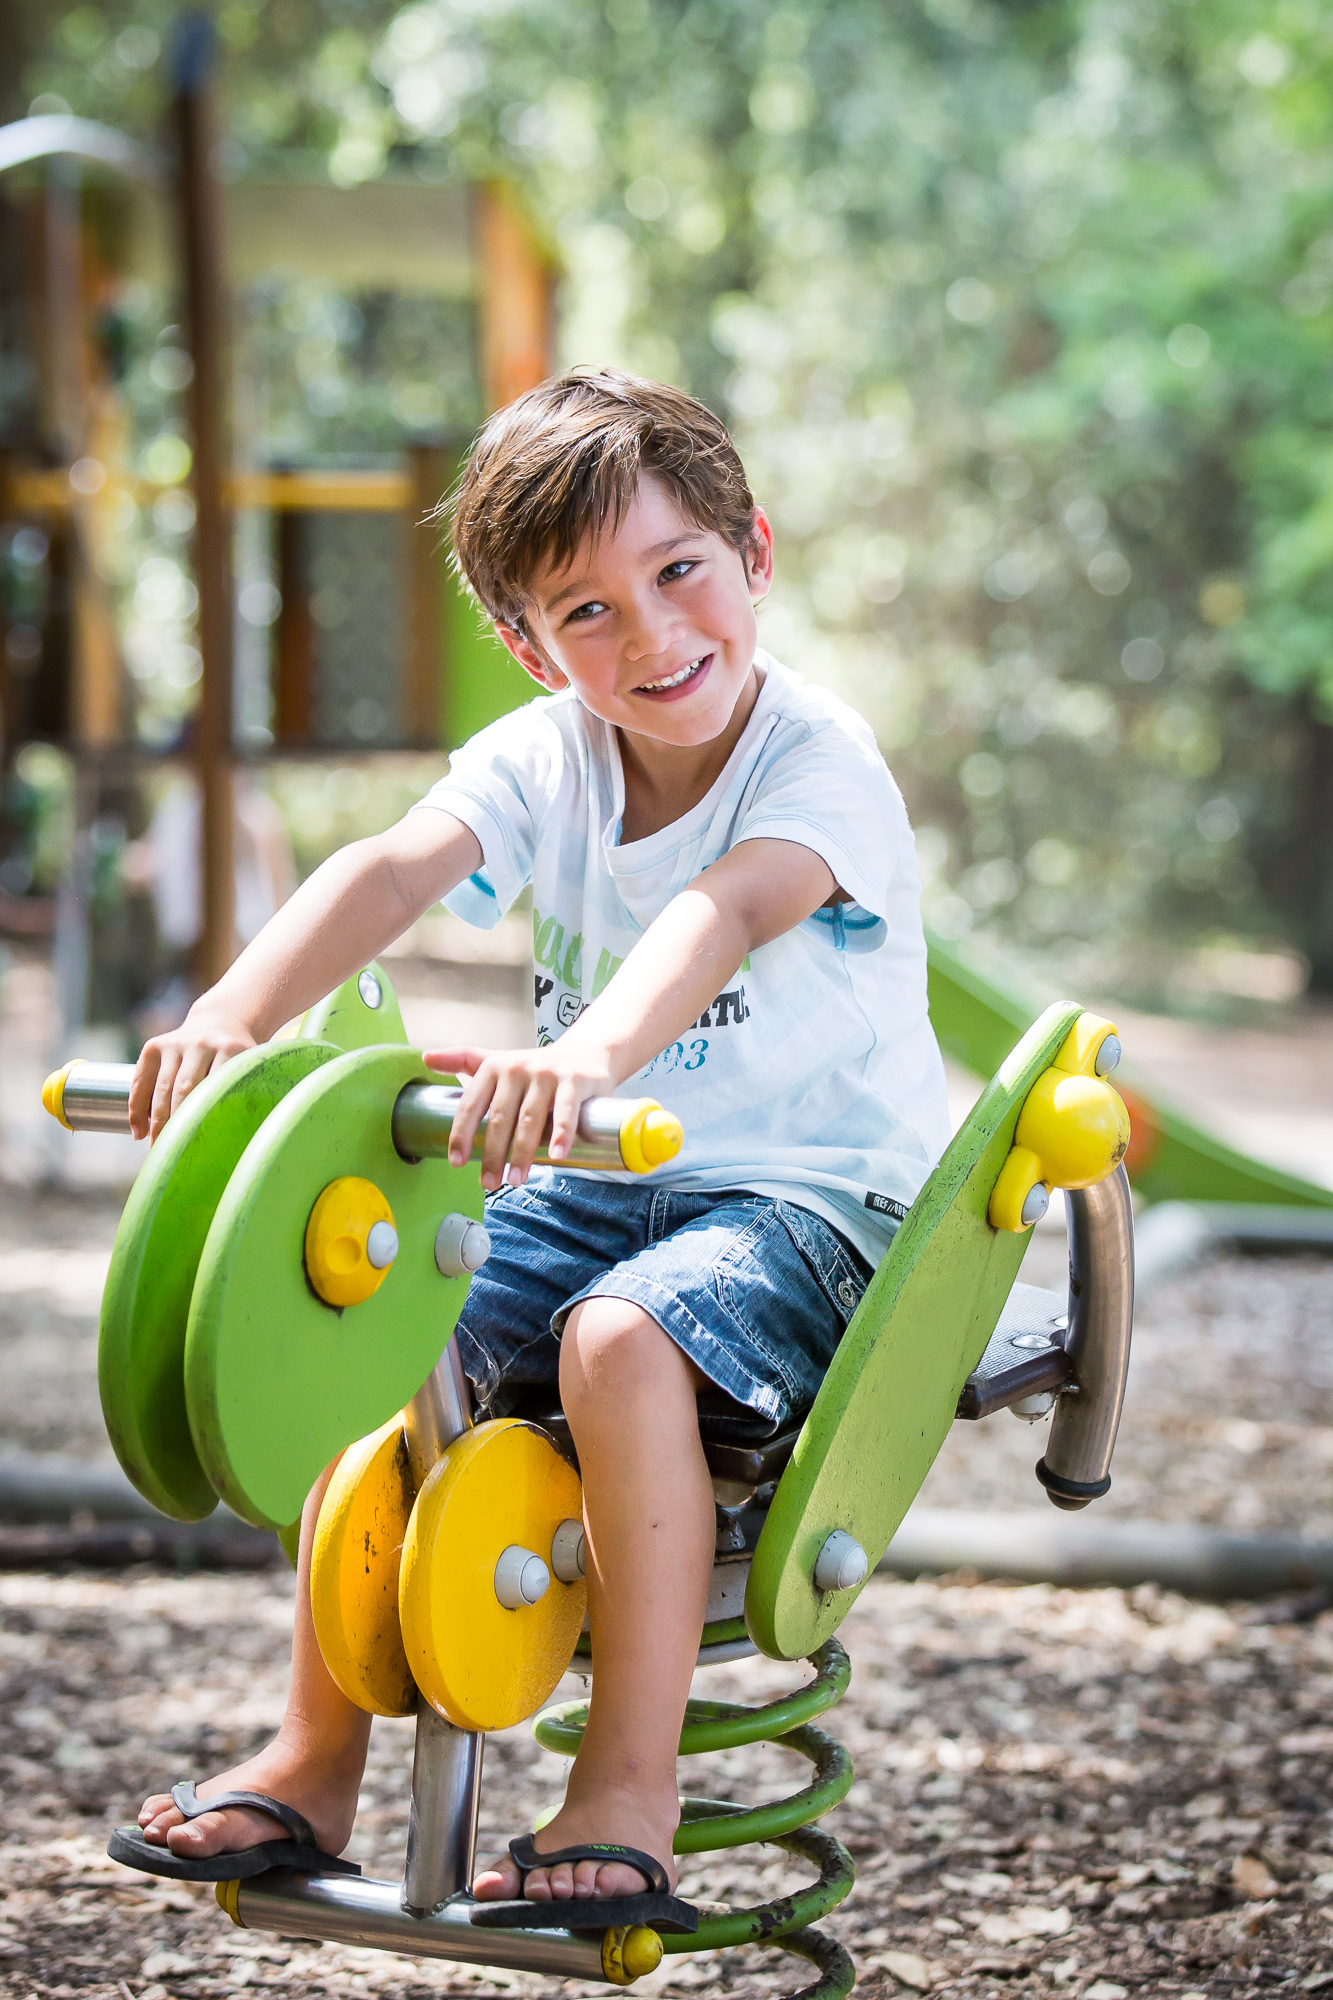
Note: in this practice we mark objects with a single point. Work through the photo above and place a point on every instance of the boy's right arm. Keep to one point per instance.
(353, 905)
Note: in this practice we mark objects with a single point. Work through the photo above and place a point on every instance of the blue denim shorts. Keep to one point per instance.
(758, 1293)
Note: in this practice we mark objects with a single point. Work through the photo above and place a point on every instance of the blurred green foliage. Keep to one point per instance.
(1022, 314)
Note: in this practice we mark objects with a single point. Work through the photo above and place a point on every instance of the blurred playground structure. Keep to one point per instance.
(195, 574)
(237, 400)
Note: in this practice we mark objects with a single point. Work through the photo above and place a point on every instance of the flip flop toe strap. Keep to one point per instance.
(296, 1824)
(527, 1857)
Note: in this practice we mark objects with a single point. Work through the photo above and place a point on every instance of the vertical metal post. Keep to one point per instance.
(206, 320)
(446, 1766)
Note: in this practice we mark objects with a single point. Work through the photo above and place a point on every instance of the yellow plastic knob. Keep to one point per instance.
(649, 1136)
(53, 1094)
(1082, 1045)
(630, 1952)
(1077, 1127)
(343, 1262)
(227, 1896)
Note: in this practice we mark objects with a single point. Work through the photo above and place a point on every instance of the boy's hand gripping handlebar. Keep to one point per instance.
(631, 1133)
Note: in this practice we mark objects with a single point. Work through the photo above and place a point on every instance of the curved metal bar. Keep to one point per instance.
(59, 134)
(1077, 1465)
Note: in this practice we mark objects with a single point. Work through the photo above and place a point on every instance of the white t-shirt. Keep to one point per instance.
(815, 1077)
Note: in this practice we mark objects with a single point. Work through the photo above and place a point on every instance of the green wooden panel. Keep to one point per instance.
(277, 1382)
(977, 1019)
(481, 681)
(347, 1018)
(146, 1303)
(889, 1398)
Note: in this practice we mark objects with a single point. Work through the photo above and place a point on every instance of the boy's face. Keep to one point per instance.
(653, 626)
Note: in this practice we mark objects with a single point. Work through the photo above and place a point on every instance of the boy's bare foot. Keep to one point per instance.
(324, 1789)
(625, 1818)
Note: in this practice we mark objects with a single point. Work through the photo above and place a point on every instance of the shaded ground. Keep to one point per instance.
(1063, 1793)
(1058, 1793)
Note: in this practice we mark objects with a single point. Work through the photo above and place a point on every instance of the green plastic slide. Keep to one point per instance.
(1170, 1158)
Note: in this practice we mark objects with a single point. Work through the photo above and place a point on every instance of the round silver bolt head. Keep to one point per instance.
(461, 1246)
(842, 1563)
(368, 986)
(569, 1552)
(1108, 1056)
(381, 1245)
(1035, 1203)
(521, 1578)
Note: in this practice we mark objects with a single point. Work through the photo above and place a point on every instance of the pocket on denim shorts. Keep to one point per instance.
(842, 1274)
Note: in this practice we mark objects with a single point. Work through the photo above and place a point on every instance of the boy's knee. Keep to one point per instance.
(611, 1345)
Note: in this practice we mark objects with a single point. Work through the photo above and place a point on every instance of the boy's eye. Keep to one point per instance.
(675, 570)
(588, 610)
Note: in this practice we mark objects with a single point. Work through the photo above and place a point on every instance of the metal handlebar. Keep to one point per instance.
(1077, 1465)
(632, 1134)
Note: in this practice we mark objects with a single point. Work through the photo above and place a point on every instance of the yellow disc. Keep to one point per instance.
(354, 1572)
(502, 1486)
(337, 1241)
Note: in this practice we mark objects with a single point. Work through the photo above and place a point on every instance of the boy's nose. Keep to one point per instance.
(647, 633)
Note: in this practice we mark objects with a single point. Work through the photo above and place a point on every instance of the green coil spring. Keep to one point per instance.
(708, 1824)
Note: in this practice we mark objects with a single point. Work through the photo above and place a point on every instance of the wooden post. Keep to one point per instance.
(424, 692)
(206, 324)
(294, 685)
(517, 299)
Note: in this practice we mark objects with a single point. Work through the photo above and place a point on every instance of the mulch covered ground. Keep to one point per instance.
(1094, 1794)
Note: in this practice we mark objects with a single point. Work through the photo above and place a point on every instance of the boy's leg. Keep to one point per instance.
(629, 1394)
(314, 1762)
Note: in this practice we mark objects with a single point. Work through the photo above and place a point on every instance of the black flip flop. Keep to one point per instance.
(301, 1853)
(656, 1906)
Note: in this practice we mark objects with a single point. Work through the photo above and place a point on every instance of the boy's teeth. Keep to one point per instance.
(674, 680)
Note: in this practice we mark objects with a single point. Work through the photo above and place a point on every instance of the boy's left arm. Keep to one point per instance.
(752, 894)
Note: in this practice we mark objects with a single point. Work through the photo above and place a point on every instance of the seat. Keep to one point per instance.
(1025, 1358)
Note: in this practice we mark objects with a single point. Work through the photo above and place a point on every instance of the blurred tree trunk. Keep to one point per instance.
(1314, 857)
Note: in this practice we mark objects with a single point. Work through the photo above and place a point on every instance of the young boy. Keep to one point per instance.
(725, 912)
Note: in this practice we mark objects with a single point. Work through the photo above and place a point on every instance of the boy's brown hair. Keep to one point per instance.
(565, 460)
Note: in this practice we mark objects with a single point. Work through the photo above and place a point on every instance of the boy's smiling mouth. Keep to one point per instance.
(674, 683)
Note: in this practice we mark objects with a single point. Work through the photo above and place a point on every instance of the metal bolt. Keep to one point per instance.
(1044, 1341)
(381, 1245)
(569, 1552)
(521, 1578)
(842, 1563)
(369, 988)
(1108, 1056)
(1035, 1203)
(461, 1246)
(1031, 1409)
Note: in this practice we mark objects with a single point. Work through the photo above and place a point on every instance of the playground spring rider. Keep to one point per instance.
(293, 1252)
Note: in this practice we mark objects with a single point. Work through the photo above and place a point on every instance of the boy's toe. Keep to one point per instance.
(498, 1883)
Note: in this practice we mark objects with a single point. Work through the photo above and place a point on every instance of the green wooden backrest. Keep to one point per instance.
(888, 1400)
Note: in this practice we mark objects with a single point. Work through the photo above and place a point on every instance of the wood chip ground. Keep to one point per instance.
(1090, 1794)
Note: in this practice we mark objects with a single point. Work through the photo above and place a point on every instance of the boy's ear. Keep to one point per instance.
(528, 657)
(758, 556)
